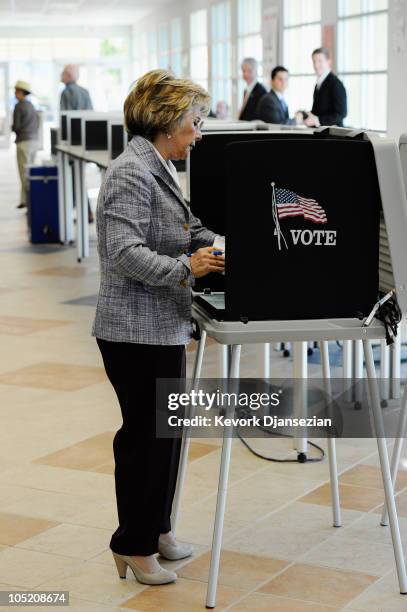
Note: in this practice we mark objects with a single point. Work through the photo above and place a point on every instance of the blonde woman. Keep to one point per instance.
(143, 315)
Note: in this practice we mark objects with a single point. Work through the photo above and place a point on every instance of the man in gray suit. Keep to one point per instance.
(74, 97)
(272, 108)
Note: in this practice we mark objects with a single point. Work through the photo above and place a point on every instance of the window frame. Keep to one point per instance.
(364, 73)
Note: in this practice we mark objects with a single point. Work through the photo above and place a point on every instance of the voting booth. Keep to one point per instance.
(207, 180)
(315, 243)
(302, 263)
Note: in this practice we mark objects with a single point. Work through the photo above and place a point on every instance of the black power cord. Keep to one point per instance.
(300, 459)
(390, 315)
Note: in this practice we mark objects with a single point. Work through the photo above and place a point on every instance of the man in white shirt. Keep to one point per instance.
(253, 92)
(330, 100)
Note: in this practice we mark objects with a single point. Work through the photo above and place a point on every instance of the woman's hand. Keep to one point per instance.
(203, 262)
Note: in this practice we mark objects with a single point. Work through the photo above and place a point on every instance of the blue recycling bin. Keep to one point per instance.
(43, 214)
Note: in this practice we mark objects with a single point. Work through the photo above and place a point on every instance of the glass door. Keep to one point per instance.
(4, 107)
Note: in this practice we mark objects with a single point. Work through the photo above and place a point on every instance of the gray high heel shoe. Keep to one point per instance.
(162, 577)
(174, 552)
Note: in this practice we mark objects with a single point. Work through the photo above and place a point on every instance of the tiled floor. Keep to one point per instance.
(57, 505)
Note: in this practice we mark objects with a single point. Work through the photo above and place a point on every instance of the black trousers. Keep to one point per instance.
(146, 467)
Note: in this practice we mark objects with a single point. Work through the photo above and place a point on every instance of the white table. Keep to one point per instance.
(234, 334)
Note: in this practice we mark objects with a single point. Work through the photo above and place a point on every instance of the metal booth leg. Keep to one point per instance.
(359, 373)
(61, 198)
(384, 372)
(79, 209)
(397, 448)
(222, 490)
(395, 356)
(300, 354)
(224, 360)
(333, 467)
(67, 208)
(385, 467)
(183, 461)
(263, 359)
(347, 368)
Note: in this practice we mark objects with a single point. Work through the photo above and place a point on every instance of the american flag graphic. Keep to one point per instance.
(289, 204)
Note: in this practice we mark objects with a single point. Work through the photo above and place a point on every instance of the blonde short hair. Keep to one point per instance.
(158, 103)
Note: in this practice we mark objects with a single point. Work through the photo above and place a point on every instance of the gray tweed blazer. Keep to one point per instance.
(144, 230)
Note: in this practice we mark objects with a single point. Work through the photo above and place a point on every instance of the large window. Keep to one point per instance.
(199, 47)
(302, 34)
(249, 42)
(221, 54)
(104, 67)
(176, 46)
(362, 60)
(163, 47)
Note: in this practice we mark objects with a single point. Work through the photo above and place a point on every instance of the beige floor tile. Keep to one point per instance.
(198, 450)
(96, 582)
(70, 271)
(370, 476)
(401, 502)
(290, 532)
(11, 493)
(70, 541)
(23, 326)
(51, 505)
(345, 552)
(262, 492)
(236, 569)
(14, 528)
(104, 516)
(317, 584)
(351, 497)
(57, 376)
(85, 455)
(182, 596)
(196, 522)
(29, 569)
(105, 468)
(368, 528)
(48, 478)
(382, 596)
(270, 603)
(77, 605)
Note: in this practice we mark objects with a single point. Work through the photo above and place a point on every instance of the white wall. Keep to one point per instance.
(397, 75)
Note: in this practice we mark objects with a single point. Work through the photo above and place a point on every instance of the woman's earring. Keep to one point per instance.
(169, 136)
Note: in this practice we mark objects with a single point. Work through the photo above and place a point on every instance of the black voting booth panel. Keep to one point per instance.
(76, 131)
(208, 186)
(311, 251)
(117, 139)
(64, 127)
(96, 134)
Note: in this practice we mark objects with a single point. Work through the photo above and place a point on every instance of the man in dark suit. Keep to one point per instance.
(253, 92)
(272, 108)
(330, 103)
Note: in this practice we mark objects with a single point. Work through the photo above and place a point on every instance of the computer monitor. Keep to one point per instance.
(95, 134)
